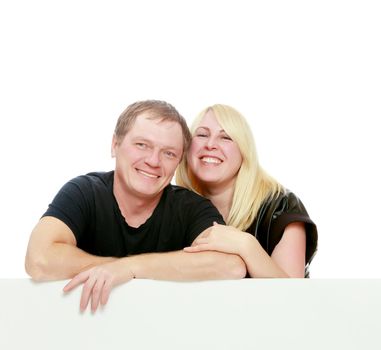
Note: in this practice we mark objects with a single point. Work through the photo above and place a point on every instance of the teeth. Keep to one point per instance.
(211, 160)
(147, 174)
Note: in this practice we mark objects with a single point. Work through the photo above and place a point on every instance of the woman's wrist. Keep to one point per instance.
(248, 246)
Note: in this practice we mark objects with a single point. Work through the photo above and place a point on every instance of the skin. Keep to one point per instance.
(146, 159)
(214, 158)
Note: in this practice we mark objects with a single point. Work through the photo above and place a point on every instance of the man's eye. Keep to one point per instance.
(141, 145)
(170, 154)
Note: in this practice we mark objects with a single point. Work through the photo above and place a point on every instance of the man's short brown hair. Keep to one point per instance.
(157, 110)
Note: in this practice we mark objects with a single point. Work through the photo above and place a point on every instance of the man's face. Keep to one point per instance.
(147, 157)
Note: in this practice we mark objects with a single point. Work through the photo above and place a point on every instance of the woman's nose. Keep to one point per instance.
(211, 143)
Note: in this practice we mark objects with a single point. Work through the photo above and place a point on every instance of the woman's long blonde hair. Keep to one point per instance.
(253, 185)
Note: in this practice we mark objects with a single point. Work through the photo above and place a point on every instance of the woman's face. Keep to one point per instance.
(214, 158)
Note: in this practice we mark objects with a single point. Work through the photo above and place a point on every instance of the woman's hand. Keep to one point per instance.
(221, 238)
(98, 282)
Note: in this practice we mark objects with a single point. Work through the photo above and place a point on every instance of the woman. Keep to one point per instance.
(267, 225)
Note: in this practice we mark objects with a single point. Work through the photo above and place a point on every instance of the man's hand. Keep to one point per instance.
(98, 282)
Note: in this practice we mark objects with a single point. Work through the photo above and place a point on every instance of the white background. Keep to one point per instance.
(305, 73)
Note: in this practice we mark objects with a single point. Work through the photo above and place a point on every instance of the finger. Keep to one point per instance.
(96, 294)
(86, 292)
(200, 240)
(76, 281)
(190, 249)
(197, 248)
(106, 292)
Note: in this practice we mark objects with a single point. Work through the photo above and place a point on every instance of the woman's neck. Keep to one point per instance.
(222, 198)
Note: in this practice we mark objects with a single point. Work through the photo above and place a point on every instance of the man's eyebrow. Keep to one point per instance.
(173, 148)
(141, 138)
(144, 139)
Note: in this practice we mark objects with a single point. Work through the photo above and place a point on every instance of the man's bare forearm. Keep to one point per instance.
(183, 266)
(61, 261)
(53, 254)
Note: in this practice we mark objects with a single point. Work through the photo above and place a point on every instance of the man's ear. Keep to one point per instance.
(114, 144)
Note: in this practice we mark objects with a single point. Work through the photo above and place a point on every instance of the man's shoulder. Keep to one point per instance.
(190, 206)
(91, 184)
(100, 176)
(94, 178)
(186, 199)
(182, 193)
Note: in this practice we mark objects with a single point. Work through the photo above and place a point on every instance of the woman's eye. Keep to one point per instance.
(226, 137)
(201, 135)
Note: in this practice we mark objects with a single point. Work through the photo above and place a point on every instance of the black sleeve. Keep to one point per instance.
(71, 206)
(201, 214)
(293, 210)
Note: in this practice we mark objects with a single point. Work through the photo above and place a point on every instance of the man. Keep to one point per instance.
(104, 229)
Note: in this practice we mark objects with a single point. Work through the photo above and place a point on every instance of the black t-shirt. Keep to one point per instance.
(87, 205)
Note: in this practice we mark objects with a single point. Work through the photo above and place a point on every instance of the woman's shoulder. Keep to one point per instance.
(275, 214)
(287, 201)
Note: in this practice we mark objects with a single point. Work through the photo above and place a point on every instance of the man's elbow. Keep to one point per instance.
(36, 268)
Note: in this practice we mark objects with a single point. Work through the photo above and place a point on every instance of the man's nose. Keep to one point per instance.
(153, 159)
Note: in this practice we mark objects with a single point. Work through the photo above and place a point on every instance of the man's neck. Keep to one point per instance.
(135, 210)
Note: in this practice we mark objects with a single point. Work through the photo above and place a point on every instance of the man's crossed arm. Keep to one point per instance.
(53, 255)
